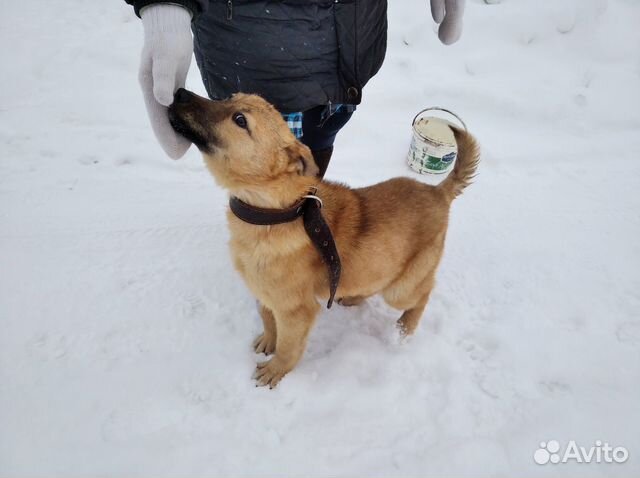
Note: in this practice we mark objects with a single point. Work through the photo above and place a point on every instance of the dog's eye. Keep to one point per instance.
(240, 120)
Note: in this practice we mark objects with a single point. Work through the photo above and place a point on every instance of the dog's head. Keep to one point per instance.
(245, 142)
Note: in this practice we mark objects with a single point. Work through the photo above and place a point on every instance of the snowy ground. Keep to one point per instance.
(125, 333)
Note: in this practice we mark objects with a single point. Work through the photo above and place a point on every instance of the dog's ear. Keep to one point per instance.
(301, 160)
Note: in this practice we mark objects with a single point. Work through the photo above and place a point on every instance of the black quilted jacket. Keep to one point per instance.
(296, 53)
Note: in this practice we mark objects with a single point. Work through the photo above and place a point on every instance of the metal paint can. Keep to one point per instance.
(433, 147)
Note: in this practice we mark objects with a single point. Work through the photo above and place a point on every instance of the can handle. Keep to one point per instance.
(438, 108)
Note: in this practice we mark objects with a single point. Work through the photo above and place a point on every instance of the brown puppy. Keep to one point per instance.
(386, 245)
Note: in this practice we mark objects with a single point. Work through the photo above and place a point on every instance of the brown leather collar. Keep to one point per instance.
(265, 217)
(309, 207)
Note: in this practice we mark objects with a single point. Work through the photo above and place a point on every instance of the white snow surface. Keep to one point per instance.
(125, 340)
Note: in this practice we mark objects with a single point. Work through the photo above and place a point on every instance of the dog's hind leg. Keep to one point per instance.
(410, 319)
(411, 291)
(266, 342)
(412, 298)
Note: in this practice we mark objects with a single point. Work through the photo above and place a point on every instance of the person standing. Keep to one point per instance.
(310, 58)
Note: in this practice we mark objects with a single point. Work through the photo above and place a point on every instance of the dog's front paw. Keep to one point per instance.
(264, 344)
(270, 372)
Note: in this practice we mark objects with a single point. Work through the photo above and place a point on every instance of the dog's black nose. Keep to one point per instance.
(182, 96)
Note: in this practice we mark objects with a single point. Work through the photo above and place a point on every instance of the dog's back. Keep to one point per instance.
(401, 204)
(391, 235)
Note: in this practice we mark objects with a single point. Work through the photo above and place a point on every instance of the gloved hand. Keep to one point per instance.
(166, 56)
(448, 14)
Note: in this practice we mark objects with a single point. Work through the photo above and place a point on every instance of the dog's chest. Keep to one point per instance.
(269, 258)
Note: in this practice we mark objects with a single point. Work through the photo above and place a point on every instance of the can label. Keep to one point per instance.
(429, 157)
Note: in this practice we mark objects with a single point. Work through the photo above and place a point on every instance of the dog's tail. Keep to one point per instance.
(465, 167)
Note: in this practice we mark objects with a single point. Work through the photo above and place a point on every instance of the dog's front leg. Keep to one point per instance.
(293, 325)
(266, 342)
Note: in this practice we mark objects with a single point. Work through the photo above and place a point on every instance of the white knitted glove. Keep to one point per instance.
(166, 56)
(448, 14)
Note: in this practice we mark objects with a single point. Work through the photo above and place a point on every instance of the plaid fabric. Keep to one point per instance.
(294, 120)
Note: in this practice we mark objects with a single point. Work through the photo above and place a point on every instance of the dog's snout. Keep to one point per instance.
(182, 96)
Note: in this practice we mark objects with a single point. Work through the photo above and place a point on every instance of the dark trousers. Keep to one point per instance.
(318, 133)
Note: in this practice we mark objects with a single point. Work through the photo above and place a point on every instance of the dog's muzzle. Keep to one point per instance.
(184, 102)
